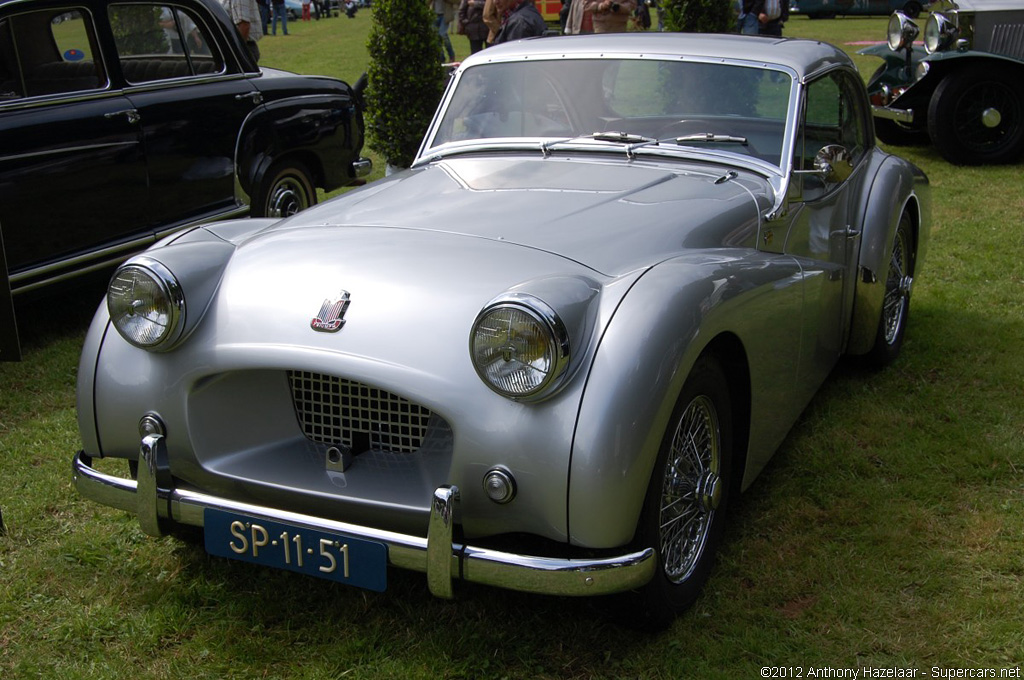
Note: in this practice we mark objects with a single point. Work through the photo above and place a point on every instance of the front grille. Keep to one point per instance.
(340, 412)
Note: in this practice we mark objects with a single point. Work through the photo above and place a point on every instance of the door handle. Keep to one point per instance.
(131, 114)
(255, 96)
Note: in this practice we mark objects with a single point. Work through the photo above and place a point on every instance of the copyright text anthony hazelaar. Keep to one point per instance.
(816, 672)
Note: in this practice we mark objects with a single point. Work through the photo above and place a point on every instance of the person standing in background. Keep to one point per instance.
(610, 16)
(246, 15)
(279, 12)
(493, 20)
(264, 7)
(471, 20)
(445, 10)
(520, 19)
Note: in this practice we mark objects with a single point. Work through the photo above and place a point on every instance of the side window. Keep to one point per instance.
(48, 52)
(834, 114)
(161, 42)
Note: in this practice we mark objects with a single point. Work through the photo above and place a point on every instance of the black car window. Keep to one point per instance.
(161, 42)
(48, 52)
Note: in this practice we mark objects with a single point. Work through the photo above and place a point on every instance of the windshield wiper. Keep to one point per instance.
(711, 137)
(634, 141)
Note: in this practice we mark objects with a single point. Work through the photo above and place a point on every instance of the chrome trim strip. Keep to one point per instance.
(69, 149)
(541, 575)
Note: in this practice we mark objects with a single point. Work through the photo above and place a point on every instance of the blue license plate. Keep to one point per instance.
(353, 561)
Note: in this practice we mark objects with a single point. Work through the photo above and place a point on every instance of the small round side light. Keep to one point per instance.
(500, 485)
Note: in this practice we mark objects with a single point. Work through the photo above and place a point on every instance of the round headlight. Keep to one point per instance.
(939, 33)
(146, 304)
(901, 31)
(519, 347)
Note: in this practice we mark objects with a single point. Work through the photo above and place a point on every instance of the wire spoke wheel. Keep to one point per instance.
(897, 288)
(691, 489)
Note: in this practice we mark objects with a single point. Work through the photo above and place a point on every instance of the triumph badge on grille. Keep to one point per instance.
(332, 314)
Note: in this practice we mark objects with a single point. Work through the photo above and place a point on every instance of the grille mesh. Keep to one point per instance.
(342, 412)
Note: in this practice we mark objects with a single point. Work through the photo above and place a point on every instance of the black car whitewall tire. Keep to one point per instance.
(287, 189)
(976, 115)
(685, 507)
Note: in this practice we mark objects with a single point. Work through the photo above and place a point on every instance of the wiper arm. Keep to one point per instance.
(621, 137)
(634, 141)
(711, 137)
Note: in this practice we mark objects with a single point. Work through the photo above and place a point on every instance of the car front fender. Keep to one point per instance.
(669, 318)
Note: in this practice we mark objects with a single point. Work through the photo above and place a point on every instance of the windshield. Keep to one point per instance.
(680, 103)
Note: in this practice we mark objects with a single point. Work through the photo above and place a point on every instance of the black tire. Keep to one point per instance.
(900, 134)
(976, 115)
(892, 324)
(913, 9)
(287, 189)
(687, 498)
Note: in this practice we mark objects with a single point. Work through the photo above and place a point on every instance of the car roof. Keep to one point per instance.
(804, 57)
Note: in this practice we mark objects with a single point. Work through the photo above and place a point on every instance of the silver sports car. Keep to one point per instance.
(545, 357)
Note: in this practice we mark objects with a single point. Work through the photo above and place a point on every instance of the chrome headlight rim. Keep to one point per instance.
(940, 33)
(558, 344)
(170, 289)
(901, 31)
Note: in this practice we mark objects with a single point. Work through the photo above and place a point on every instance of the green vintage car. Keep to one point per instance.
(962, 90)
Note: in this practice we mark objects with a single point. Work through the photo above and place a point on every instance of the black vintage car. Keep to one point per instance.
(121, 122)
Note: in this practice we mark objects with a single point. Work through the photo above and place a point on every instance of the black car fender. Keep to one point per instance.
(317, 130)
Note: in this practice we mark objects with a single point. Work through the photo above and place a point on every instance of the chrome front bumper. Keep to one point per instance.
(152, 498)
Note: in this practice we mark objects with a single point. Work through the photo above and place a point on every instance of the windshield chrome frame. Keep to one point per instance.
(775, 174)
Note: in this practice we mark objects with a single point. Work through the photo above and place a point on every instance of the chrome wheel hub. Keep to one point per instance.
(991, 117)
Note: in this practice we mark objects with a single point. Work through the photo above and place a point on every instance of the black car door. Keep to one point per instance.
(72, 169)
(191, 99)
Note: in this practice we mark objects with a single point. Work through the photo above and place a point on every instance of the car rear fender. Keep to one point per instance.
(322, 131)
(898, 186)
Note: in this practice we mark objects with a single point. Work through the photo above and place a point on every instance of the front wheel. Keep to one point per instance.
(976, 116)
(286, 190)
(684, 511)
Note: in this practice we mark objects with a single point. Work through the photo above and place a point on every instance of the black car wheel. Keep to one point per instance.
(976, 116)
(892, 324)
(684, 511)
(287, 190)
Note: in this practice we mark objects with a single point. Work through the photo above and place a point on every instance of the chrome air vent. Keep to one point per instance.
(341, 412)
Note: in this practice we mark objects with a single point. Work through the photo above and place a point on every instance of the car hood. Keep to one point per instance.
(611, 216)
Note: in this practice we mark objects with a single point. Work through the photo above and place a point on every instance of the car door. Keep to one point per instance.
(823, 235)
(72, 169)
(191, 98)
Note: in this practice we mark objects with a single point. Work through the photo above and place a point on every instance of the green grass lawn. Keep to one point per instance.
(887, 531)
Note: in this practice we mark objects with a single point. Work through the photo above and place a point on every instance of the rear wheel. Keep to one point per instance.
(976, 116)
(684, 511)
(892, 324)
(286, 190)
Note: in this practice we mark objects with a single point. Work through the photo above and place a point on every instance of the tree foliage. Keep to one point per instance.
(699, 16)
(405, 78)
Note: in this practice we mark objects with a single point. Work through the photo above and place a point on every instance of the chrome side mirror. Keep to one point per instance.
(833, 163)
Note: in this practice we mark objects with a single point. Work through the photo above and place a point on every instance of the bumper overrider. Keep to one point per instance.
(154, 500)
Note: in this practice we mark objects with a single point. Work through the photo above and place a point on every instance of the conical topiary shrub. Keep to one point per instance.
(406, 78)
